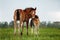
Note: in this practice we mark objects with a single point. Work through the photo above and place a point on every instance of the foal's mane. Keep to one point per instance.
(30, 9)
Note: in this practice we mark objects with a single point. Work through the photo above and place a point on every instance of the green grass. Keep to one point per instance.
(44, 34)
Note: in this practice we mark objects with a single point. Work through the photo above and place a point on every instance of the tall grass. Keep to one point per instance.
(44, 34)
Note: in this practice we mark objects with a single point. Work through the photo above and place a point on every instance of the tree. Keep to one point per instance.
(3, 24)
(11, 24)
(43, 24)
(49, 24)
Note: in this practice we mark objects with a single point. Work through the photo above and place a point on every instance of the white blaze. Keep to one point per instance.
(33, 14)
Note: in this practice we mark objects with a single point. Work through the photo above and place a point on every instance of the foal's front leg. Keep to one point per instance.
(27, 26)
(35, 29)
(31, 27)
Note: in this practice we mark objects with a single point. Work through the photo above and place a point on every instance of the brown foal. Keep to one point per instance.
(21, 16)
(35, 22)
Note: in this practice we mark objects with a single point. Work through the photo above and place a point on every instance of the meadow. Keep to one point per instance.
(44, 34)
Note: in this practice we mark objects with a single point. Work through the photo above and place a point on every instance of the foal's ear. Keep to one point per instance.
(35, 8)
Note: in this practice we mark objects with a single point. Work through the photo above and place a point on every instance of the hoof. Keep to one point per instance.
(21, 33)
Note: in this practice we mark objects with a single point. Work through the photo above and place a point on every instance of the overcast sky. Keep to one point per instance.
(47, 10)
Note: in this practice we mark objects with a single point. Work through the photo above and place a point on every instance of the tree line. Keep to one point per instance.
(42, 24)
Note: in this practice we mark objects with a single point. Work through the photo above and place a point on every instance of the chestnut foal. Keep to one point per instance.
(34, 23)
(21, 16)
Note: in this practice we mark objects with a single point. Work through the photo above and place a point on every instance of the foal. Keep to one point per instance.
(35, 22)
(22, 16)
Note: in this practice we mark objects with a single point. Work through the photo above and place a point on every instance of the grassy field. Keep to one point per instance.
(44, 34)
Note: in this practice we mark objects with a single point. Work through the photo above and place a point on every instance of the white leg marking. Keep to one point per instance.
(15, 27)
(21, 26)
(14, 30)
(35, 29)
(33, 14)
(31, 30)
(18, 24)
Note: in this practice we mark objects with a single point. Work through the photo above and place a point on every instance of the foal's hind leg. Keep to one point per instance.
(21, 26)
(15, 27)
(18, 23)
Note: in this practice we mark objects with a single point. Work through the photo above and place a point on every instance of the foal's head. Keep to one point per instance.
(32, 12)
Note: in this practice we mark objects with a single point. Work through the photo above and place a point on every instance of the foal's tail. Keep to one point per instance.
(17, 14)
